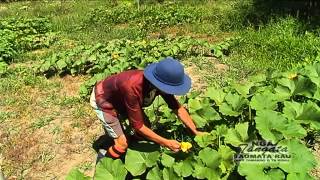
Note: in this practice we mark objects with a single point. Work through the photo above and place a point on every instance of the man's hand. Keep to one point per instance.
(173, 145)
(149, 134)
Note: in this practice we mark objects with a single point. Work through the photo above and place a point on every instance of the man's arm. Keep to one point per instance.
(136, 119)
(181, 112)
(184, 116)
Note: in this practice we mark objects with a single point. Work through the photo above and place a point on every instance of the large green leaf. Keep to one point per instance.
(155, 174)
(209, 113)
(227, 162)
(210, 157)
(237, 102)
(237, 135)
(265, 100)
(183, 168)
(137, 162)
(261, 170)
(273, 126)
(316, 95)
(194, 105)
(258, 78)
(205, 114)
(202, 172)
(268, 123)
(299, 86)
(111, 169)
(205, 140)
(243, 89)
(198, 120)
(167, 160)
(226, 109)
(301, 160)
(282, 93)
(234, 105)
(311, 71)
(45, 66)
(299, 176)
(292, 130)
(292, 109)
(216, 94)
(76, 174)
(221, 130)
(169, 174)
(306, 113)
(61, 64)
(304, 86)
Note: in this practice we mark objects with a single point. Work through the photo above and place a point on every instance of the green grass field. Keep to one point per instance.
(51, 53)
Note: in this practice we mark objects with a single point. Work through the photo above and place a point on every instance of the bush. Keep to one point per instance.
(148, 17)
(23, 34)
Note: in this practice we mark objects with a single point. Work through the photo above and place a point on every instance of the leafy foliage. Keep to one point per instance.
(110, 169)
(76, 174)
(23, 34)
(18, 35)
(261, 112)
(101, 60)
(137, 162)
(150, 17)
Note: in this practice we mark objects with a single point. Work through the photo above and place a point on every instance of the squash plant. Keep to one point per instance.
(281, 109)
(102, 60)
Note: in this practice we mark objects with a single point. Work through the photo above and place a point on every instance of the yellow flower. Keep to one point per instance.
(115, 55)
(292, 76)
(185, 146)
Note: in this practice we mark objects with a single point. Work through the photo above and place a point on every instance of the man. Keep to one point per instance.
(127, 92)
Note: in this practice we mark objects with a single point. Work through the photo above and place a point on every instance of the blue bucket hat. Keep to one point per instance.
(168, 76)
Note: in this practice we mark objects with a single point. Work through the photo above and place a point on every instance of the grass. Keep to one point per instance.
(41, 122)
(73, 19)
(288, 46)
(35, 118)
(280, 45)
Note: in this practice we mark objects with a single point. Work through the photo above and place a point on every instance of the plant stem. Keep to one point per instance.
(250, 117)
(138, 2)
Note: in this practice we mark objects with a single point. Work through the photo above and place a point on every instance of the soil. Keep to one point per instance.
(51, 150)
(198, 83)
(316, 171)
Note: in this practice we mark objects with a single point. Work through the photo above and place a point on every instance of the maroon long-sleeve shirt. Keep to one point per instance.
(126, 93)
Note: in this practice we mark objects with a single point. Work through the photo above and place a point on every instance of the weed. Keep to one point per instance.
(69, 101)
(85, 166)
(41, 122)
(56, 130)
(7, 115)
(46, 156)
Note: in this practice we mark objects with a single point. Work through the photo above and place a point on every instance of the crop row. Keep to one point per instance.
(101, 60)
(274, 114)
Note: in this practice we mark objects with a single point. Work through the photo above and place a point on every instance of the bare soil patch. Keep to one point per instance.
(198, 83)
(46, 140)
(316, 171)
